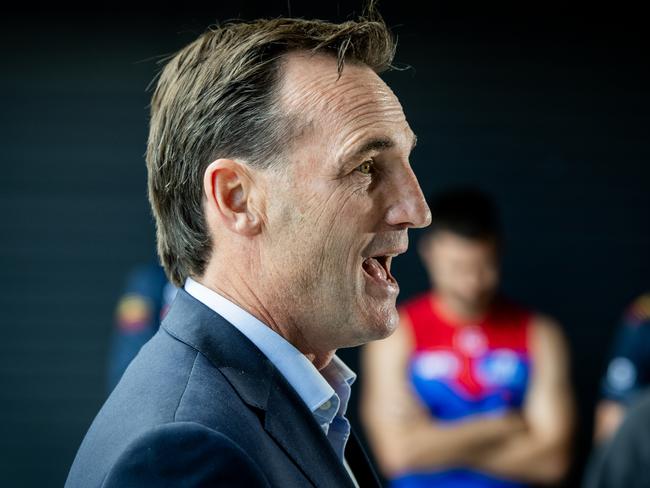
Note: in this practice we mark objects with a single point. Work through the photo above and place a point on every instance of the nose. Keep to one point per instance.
(408, 207)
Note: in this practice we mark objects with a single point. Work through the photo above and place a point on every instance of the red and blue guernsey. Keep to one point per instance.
(461, 369)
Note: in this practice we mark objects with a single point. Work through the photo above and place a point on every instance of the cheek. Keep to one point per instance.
(322, 225)
(492, 278)
(314, 239)
(442, 268)
(337, 218)
(455, 279)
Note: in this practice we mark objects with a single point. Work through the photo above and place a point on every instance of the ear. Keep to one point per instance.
(228, 187)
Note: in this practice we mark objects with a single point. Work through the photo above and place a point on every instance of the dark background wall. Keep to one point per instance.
(546, 110)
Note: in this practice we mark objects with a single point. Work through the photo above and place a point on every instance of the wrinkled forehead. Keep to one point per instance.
(348, 107)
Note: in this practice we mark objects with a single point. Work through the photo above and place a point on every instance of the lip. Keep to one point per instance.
(378, 286)
(389, 254)
(392, 252)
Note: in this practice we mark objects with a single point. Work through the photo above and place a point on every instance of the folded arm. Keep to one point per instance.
(541, 452)
(531, 445)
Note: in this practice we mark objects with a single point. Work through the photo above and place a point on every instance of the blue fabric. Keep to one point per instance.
(447, 400)
(148, 282)
(452, 478)
(201, 405)
(504, 377)
(628, 370)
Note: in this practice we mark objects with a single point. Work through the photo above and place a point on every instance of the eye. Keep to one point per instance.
(367, 167)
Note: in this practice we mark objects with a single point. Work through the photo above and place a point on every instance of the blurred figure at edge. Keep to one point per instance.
(622, 424)
(142, 305)
(628, 369)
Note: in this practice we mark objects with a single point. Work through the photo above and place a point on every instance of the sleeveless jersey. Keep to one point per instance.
(461, 369)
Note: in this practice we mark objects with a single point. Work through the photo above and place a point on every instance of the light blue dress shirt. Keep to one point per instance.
(325, 392)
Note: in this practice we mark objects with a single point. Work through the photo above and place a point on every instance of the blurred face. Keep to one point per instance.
(464, 271)
(340, 210)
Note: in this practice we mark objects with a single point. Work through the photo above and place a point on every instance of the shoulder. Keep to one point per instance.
(141, 297)
(187, 453)
(638, 312)
(511, 311)
(548, 344)
(166, 397)
(546, 331)
(633, 333)
(169, 380)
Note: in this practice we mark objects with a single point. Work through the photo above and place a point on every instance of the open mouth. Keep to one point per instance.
(378, 267)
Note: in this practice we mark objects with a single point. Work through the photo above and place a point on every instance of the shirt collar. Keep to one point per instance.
(329, 388)
(340, 377)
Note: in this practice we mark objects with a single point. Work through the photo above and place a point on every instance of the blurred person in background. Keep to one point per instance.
(621, 452)
(472, 390)
(623, 460)
(628, 369)
(142, 305)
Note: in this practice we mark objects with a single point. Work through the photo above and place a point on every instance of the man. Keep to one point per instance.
(620, 451)
(279, 178)
(472, 390)
(628, 370)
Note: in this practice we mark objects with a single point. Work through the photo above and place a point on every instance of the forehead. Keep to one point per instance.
(451, 243)
(350, 108)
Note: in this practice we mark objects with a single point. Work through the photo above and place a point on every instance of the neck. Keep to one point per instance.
(235, 288)
(459, 311)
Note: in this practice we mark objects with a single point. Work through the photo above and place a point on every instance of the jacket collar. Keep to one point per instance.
(314, 387)
(286, 418)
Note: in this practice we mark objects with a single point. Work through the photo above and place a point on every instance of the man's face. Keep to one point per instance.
(465, 270)
(348, 193)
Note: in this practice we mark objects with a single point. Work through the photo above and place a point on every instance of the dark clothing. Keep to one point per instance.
(628, 371)
(624, 461)
(201, 405)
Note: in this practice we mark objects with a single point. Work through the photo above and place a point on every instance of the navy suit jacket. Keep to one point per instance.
(201, 405)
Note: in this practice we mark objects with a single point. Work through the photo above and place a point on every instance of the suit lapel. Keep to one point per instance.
(290, 422)
(258, 382)
(359, 462)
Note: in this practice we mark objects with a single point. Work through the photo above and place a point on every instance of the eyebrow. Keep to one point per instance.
(377, 144)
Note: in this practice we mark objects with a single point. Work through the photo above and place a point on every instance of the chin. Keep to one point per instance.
(388, 331)
(379, 328)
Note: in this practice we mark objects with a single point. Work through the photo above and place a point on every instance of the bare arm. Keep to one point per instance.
(540, 453)
(403, 434)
